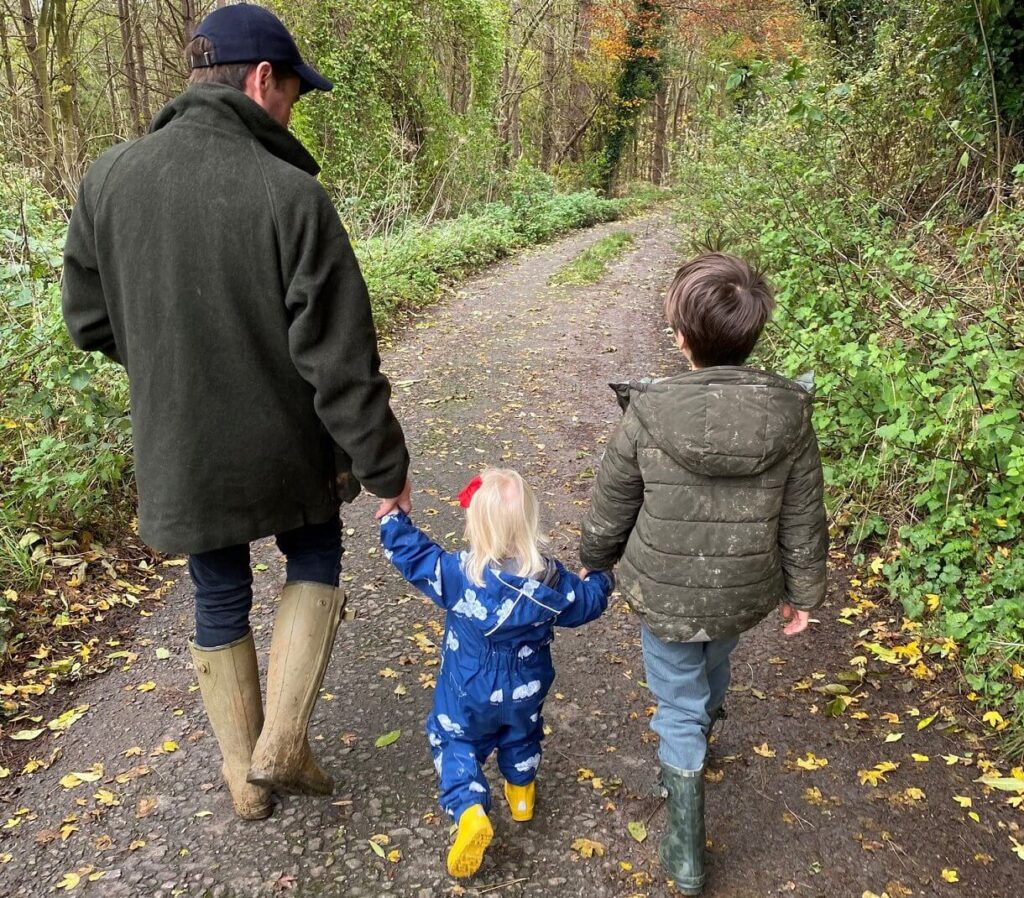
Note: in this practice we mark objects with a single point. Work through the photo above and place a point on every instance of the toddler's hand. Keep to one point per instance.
(798, 619)
(401, 502)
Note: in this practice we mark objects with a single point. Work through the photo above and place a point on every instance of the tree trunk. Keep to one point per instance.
(128, 63)
(659, 149)
(548, 112)
(504, 119)
(188, 19)
(67, 98)
(579, 90)
(140, 65)
(37, 50)
(514, 137)
(112, 98)
(5, 49)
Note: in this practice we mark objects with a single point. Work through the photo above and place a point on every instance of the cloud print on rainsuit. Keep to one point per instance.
(496, 665)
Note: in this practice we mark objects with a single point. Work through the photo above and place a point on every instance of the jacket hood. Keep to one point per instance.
(723, 421)
(509, 607)
(220, 106)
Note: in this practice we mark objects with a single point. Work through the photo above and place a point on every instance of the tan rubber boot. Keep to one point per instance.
(229, 681)
(307, 620)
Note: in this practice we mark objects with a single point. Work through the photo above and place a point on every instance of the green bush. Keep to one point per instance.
(408, 268)
(914, 328)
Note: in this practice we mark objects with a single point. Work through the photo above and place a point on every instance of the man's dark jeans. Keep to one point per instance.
(223, 578)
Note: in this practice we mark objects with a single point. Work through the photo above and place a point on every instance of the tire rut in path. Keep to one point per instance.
(507, 372)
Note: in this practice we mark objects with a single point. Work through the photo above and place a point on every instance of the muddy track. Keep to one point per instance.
(511, 371)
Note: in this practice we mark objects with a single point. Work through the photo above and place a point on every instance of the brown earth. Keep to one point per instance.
(513, 371)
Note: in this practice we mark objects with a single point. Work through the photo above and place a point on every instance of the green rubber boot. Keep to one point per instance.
(682, 847)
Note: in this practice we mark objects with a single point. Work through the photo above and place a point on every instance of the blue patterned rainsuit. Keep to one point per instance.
(496, 660)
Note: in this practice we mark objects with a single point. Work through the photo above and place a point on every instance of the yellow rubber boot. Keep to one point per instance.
(520, 800)
(475, 834)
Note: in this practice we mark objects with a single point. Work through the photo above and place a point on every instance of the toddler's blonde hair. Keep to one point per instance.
(502, 526)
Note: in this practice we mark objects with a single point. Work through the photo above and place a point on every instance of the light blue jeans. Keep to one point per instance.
(689, 680)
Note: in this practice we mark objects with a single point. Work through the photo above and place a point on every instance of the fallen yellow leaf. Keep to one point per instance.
(69, 881)
(71, 780)
(65, 720)
(764, 751)
(876, 774)
(994, 719)
(588, 847)
(811, 762)
(950, 875)
(106, 798)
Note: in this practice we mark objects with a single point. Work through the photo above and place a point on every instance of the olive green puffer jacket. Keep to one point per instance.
(710, 499)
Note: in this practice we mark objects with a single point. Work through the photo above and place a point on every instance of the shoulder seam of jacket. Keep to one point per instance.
(103, 186)
(253, 144)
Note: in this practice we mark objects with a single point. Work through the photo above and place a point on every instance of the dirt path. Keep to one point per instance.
(511, 371)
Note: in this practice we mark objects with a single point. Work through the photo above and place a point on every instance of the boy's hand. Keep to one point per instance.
(798, 619)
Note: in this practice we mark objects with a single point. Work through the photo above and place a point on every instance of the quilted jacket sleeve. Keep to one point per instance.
(803, 531)
(616, 501)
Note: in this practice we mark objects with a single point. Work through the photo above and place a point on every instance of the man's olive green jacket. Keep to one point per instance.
(206, 258)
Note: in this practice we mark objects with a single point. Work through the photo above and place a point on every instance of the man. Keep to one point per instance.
(207, 259)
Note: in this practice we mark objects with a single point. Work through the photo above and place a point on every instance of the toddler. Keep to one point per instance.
(503, 599)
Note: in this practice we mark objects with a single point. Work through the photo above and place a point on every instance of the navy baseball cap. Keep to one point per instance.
(244, 32)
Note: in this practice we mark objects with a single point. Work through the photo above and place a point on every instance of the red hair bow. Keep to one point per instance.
(466, 496)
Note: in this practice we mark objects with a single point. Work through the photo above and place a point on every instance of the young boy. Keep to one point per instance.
(710, 499)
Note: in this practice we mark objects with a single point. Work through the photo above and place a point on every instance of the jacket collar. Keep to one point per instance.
(220, 106)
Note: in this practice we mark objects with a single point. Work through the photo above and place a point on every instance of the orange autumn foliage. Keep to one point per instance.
(760, 27)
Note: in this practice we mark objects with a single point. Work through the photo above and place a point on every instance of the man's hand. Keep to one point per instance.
(798, 619)
(403, 502)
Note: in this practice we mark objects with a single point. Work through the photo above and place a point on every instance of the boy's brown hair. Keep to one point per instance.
(720, 304)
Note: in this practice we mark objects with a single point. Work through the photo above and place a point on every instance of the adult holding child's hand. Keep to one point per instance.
(206, 258)
(401, 502)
